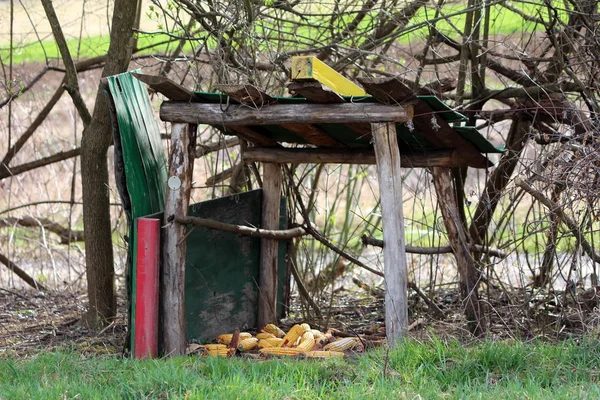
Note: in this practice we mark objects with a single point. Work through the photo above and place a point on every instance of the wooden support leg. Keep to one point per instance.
(387, 154)
(457, 237)
(267, 298)
(181, 164)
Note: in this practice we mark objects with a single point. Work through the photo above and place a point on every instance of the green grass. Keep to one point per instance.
(434, 369)
(87, 47)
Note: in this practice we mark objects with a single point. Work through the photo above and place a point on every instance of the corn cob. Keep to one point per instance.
(280, 351)
(215, 346)
(324, 354)
(226, 338)
(247, 344)
(307, 342)
(293, 335)
(306, 326)
(342, 344)
(274, 329)
(264, 335)
(220, 352)
(264, 343)
(307, 335)
(307, 345)
(275, 342)
(317, 333)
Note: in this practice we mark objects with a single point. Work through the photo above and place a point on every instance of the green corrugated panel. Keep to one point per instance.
(472, 135)
(442, 109)
(143, 157)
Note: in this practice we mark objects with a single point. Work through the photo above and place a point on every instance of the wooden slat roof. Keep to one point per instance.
(271, 121)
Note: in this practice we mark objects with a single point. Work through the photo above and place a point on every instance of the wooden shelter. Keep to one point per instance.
(329, 120)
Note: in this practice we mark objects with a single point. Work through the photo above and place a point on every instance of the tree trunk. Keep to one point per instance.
(94, 171)
(457, 236)
(499, 179)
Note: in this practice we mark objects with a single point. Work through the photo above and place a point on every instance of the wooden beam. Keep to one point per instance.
(313, 135)
(181, 163)
(348, 156)
(364, 130)
(167, 87)
(388, 90)
(277, 114)
(394, 255)
(457, 236)
(315, 91)
(246, 94)
(267, 298)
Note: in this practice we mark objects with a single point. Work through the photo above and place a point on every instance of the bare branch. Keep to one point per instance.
(21, 274)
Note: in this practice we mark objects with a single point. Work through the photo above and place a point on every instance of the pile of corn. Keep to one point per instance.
(300, 340)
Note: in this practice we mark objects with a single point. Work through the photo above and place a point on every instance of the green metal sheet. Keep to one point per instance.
(443, 110)
(222, 269)
(143, 157)
(481, 143)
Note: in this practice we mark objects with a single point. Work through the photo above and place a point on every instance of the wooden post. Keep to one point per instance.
(181, 164)
(267, 298)
(389, 173)
(457, 236)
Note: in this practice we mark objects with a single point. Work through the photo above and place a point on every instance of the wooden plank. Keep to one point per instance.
(167, 87)
(181, 163)
(442, 136)
(249, 95)
(388, 90)
(277, 114)
(310, 67)
(313, 135)
(267, 298)
(394, 254)
(315, 91)
(443, 158)
(251, 135)
(457, 237)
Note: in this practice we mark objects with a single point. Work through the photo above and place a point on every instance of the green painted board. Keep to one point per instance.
(222, 269)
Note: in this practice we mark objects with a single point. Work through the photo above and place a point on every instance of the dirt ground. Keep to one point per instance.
(32, 322)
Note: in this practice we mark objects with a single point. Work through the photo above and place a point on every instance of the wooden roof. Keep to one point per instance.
(319, 125)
